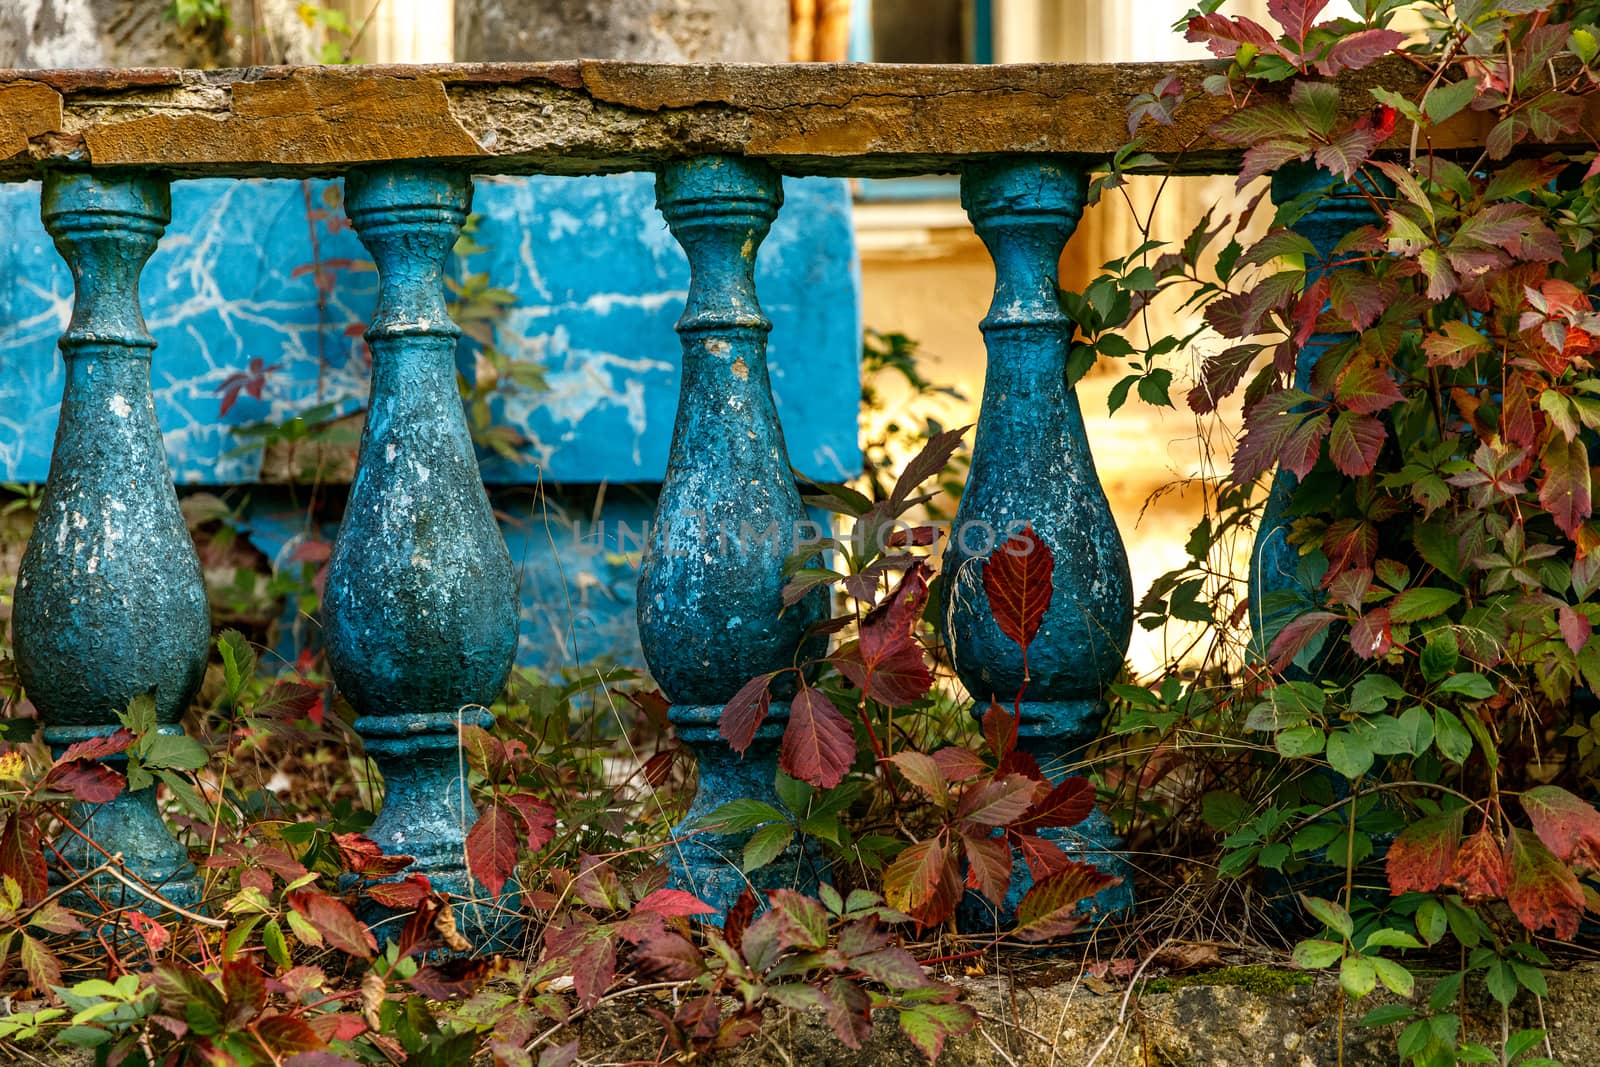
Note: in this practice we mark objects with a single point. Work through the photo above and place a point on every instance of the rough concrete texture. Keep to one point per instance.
(1029, 1024)
(601, 117)
(650, 31)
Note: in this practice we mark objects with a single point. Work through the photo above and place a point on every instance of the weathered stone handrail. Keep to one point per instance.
(592, 117)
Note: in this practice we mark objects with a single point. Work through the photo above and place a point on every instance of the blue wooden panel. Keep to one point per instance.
(599, 283)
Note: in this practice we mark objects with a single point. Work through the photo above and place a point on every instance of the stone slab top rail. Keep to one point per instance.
(594, 117)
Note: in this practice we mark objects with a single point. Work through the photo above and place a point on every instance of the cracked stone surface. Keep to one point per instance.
(590, 117)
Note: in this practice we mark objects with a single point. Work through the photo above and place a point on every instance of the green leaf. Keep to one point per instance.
(1387, 1015)
(1472, 685)
(1501, 982)
(1431, 922)
(1440, 655)
(1329, 914)
(1358, 976)
(1450, 737)
(1315, 954)
(178, 752)
(1396, 977)
(1350, 753)
(1373, 692)
(1444, 101)
(1223, 810)
(739, 815)
(238, 662)
(1416, 604)
(1389, 937)
(766, 845)
(1301, 741)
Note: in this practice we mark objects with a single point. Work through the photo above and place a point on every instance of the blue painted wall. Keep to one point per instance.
(599, 282)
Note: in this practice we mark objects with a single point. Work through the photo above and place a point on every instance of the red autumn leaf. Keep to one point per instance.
(22, 857)
(1564, 491)
(1018, 578)
(959, 764)
(288, 702)
(899, 677)
(1354, 443)
(848, 1009)
(1359, 50)
(818, 744)
(451, 979)
(90, 782)
(923, 883)
(1370, 636)
(538, 818)
(744, 714)
(403, 895)
(1067, 804)
(666, 955)
(998, 802)
(1295, 16)
(1000, 726)
(673, 902)
(1294, 637)
(1575, 627)
(988, 865)
(485, 752)
(492, 847)
(1422, 856)
(155, 935)
(1366, 388)
(334, 922)
(887, 662)
(893, 623)
(738, 918)
(335, 1026)
(924, 772)
(1043, 856)
(1223, 35)
(1284, 429)
(362, 855)
(1567, 825)
(98, 747)
(1050, 910)
(1479, 872)
(245, 988)
(593, 971)
(287, 1035)
(1543, 891)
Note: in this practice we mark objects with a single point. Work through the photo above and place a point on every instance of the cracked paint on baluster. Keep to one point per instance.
(1031, 465)
(110, 603)
(235, 279)
(420, 606)
(711, 613)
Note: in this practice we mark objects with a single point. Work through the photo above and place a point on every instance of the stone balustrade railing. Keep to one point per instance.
(420, 607)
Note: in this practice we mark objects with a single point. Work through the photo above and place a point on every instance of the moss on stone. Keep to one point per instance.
(1258, 978)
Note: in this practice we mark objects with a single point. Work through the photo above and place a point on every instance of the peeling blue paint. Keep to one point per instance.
(598, 282)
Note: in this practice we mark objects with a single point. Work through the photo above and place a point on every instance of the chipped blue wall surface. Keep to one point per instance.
(598, 280)
(599, 283)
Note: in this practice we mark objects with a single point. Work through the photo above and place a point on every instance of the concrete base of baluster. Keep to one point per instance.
(128, 825)
(710, 865)
(1054, 733)
(427, 813)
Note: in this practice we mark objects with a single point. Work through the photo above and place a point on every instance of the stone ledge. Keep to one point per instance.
(591, 117)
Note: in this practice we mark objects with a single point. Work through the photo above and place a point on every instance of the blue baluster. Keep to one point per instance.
(711, 614)
(1031, 464)
(420, 608)
(110, 602)
(1282, 586)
